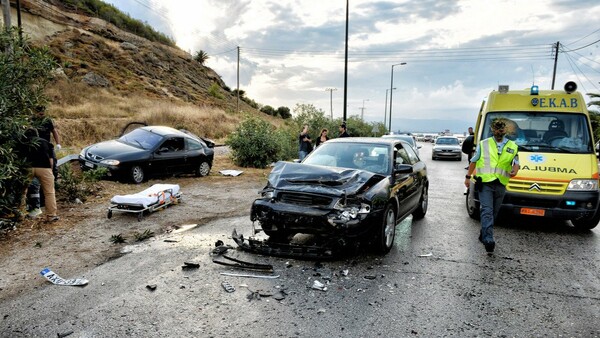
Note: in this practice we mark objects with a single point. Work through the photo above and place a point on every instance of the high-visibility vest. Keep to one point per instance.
(490, 165)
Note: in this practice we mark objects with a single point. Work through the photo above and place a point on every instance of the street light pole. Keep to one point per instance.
(391, 93)
(385, 111)
(362, 110)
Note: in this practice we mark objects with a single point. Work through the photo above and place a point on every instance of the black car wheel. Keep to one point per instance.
(386, 231)
(472, 205)
(136, 174)
(421, 210)
(586, 223)
(203, 169)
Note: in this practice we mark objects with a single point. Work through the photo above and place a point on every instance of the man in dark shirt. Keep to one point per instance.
(39, 156)
(343, 130)
(304, 143)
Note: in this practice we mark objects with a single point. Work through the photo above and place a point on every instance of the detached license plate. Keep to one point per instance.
(89, 164)
(533, 212)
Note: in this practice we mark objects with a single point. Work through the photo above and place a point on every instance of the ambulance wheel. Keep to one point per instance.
(586, 223)
(472, 204)
(109, 214)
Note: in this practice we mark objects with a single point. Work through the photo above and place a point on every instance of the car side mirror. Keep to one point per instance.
(403, 169)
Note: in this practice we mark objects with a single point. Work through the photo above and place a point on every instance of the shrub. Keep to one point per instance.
(72, 186)
(215, 91)
(254, 143)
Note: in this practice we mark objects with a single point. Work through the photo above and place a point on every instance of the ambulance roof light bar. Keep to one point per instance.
(535, 90)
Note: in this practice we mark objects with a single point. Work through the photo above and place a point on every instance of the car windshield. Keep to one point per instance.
(548, 131)
(141, 138)
(447, 140)
(364, 156)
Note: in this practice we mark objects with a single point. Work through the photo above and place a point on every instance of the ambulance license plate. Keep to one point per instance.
(533, 212)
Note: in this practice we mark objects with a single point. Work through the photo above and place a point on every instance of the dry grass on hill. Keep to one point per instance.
(85, 115)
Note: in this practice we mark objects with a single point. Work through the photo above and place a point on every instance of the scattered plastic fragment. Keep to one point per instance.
(321, 310)
(228, 287)
(248, 275)
(426, 255)
(64, 334)
(55, 279)
(345, 272)
(190, 265)
(319, 286)
(151, 287)
(231, 172)
(369, 277)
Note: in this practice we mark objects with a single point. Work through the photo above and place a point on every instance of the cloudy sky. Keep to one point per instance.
(292, 51)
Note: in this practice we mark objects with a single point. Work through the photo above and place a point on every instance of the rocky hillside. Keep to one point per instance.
(100, 56)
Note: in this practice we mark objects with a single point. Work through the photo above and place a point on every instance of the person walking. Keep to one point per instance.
(39, 155)
(322, 137)
(467, 145)
(495, 161)
(304, 143)
(343, 130)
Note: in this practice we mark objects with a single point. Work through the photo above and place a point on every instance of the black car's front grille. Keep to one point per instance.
(304, 199)
(94, 157)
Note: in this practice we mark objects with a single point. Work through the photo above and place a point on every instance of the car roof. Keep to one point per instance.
(164, 131)
(400, 137)
(372, 140)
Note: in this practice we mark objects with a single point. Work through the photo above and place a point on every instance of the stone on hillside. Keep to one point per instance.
(96, 80)
(129, 46)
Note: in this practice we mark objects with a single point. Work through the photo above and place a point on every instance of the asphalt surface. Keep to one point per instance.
(543, 280)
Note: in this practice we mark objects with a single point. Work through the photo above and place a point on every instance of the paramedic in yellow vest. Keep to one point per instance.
(495, 161)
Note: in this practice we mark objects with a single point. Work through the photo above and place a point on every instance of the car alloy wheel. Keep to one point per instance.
(387, 230)
(203, 169)
(137, 174)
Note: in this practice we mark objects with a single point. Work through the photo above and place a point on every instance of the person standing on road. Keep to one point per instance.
(467, 145)
(343, 130)
(304, 143)
(322, 137)
(495, 161)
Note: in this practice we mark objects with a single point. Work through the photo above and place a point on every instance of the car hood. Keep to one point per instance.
(113, 149)
(322, 180)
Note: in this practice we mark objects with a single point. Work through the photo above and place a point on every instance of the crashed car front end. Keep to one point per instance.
(301, 198)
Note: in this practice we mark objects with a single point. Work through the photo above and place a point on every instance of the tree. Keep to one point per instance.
(594, 110)
(24, 72)
(268, 110)
(284, 112)
(201, 56)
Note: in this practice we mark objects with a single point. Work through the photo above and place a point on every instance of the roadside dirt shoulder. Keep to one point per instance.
(82, 238)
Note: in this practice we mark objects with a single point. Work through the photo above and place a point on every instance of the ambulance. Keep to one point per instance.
(559, 167)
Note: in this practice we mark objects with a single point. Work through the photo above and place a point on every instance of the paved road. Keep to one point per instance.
(544, 280)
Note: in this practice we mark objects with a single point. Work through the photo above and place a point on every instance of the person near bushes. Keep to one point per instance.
(322, 137)
(343, 130)
(39, 156)
(304, 143)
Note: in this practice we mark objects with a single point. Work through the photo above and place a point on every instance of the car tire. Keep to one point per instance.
(586, 223)
(386, 231)
(421, 209)
(472, 205)
(136, 174)
(203, 169)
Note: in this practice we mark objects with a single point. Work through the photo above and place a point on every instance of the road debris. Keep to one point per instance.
(319, 286)
(55, 279)
(151, 287)
(248, 275)
(426, 255)
(228, 287)
(190, 265)
(237, 263)
(231, 172)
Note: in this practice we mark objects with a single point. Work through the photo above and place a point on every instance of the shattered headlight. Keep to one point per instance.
(267, 193)
(349, 212)
(583, 185)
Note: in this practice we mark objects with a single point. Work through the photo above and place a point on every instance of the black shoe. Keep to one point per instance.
(489, 247)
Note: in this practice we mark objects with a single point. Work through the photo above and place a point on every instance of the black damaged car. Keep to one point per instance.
(346, 188)
(150, 151)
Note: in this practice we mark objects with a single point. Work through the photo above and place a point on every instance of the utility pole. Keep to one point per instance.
(330, 90)
(392, 91)
(346, 65)
(19, 21)
(362, 110)
(555, 62)
(237, 101)
(6, 14)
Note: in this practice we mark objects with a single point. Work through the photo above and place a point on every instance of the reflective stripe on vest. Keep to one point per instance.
(491, 166)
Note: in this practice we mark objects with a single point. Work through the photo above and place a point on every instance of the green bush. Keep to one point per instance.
(72, 186)
(24, 73)
(215, 91)
(254, 144)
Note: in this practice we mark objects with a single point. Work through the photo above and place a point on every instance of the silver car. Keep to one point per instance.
(447, 147)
